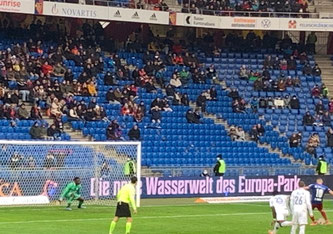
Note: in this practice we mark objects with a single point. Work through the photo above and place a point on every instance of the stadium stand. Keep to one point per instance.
(175, 98)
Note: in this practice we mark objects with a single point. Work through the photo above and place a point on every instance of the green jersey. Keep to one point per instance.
(71, 189)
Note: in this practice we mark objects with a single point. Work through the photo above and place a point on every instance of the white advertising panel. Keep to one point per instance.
(75, 10)
(18, 6)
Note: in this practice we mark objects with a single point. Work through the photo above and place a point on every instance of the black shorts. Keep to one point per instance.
(123, 210)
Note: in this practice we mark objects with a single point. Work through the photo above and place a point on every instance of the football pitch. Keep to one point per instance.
(174, 217)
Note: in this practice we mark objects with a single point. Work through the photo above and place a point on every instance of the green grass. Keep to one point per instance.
(252, 218)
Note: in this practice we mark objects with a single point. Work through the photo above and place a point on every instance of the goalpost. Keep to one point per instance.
(36, 172)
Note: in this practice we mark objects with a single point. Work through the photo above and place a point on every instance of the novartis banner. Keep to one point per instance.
(17, 6)
(104, 13)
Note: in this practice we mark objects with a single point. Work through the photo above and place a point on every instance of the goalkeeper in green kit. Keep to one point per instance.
(72, 192)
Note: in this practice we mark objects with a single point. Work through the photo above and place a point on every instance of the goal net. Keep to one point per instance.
(31, 170)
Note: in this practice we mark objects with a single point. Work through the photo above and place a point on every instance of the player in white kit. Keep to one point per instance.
(280, 210)
(300, 204)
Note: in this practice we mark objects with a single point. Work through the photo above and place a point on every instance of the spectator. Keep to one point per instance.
(320, 109)
(316, 71)
(260, 130)
(185, 100)
(279, 102)
(105, 170)
(294, 103)
(53, 133)
(329, 137)
(49, 161)
(213, 93)
(156, 114)
(36, 131)
(23, 113)
(193, 117)
(308, 119)
(326, 119)
(31, 163)
(240, 134)
(233, 133)
(134, 133)
(233, 94)
(243, 73)
(307, 70)
(204, 173)
(312, 144)
(330, 106)
(295, 140)
(201, 102)
(109, 79)
(254, 134)
(59, 70)
(175, 81)
(92, 89)
(16, 161)
(254, 104)
(311, 42)
(113, 131)
(73, 115)
(220, 166)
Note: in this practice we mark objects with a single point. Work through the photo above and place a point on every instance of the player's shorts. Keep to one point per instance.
(318, 206)
(123, 210)
(73, 196)
(300, 217)
(282, 215)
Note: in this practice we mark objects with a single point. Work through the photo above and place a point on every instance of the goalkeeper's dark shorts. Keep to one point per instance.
(123, 210)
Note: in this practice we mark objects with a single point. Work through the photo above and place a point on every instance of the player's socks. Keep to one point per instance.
(293, 229)
(312, 219)
(112, 227)
(323, 213)
(80, 204)
(128, 227)
(302, 229)
(286, 223)
(276, 227)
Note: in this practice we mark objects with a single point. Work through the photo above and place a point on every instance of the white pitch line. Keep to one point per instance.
(143, 217)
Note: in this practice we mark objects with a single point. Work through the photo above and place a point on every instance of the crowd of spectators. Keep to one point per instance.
(226, 7)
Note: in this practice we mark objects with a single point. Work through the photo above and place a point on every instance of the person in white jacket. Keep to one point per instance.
(300, 205)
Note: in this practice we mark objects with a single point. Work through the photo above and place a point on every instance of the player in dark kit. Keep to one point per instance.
(318, 191)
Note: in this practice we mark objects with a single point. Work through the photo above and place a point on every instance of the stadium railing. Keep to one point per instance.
(237, 171)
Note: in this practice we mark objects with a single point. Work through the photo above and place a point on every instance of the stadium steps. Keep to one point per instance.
(324, 6)
(326, 67)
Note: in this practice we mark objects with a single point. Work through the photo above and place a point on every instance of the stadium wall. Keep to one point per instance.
(50, 183)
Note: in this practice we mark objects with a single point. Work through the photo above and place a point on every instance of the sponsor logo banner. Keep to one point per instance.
(75, 10)
(140, 16)
(40, 184)
(18, 6)
(252, 23)
(307, 24)
(201, 21)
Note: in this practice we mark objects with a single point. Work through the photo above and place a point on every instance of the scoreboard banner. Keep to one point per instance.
(51, 183)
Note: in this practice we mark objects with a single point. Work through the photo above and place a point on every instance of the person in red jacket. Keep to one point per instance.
(47, 68)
